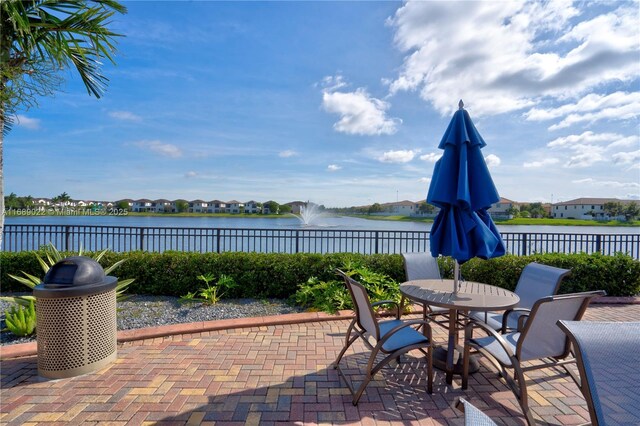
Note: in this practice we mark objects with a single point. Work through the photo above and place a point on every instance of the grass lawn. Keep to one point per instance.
(517, 221)
(565, 222)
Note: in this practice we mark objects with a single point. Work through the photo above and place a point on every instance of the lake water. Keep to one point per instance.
(290, 222)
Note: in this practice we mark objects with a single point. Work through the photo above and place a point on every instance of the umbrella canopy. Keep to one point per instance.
(463, 189)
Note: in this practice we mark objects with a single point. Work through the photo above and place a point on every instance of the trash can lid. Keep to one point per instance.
(74, 271)
(74, 276)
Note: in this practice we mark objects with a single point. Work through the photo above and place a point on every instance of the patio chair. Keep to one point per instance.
(537, 338)
(608, 355)
(536, 281)
(392, 338)
(423, 266)
(472, 415)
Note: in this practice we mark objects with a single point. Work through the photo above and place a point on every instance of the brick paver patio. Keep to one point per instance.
(273, 374)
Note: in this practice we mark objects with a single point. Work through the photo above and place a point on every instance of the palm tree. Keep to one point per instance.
(39, 39)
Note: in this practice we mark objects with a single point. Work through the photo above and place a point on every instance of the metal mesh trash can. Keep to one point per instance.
(75, 318)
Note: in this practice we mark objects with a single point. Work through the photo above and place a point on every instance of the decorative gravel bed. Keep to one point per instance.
(149, 311)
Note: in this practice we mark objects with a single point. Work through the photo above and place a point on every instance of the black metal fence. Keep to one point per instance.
(159, 239)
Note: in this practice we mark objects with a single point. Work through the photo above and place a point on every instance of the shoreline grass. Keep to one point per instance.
(517, 221)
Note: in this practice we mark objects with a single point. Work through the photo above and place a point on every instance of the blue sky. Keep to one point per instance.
(343, 103)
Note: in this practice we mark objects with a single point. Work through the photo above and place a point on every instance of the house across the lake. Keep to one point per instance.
(586, 208)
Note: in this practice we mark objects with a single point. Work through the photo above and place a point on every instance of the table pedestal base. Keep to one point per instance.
(440, 361)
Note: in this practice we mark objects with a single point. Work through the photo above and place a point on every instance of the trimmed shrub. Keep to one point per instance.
(278, 275)
(618, 275)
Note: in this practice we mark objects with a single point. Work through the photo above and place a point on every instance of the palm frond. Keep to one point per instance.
(29, 280)
(45, 267)
(114, 266)
(20, 300)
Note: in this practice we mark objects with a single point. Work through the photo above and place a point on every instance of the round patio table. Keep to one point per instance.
(471, 296)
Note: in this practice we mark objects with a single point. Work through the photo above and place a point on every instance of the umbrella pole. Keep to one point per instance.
(456, 274)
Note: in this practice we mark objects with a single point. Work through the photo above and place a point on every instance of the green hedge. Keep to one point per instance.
(278, 275)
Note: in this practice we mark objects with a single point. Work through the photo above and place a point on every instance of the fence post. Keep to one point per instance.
(598, 244)
(141, 247)
(67, 237)
(525, 248)
(297, 241)
(377, 242)
(217, 240)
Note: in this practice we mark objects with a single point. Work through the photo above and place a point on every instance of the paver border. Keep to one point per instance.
(31, 348)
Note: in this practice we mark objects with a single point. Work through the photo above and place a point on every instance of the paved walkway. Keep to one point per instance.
(273, 374)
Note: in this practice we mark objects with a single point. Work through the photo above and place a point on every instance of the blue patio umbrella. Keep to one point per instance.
(462, 188)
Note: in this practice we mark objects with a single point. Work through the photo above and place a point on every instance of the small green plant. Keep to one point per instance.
(331, 296)
(212, 293)
(190, 297)
(21, 320)
(53, 256)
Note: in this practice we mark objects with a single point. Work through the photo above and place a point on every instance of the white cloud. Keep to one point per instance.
(332, 83)
(451, 52)
(125, 116)
(587, 137)
(424, 180)
(333, 167)
(626, 157)
(288, 153)
(191, 174)
(591, 108)
(165, 149)
(492, 160)
(589, 148)
(431, 157)
(360, 114)
(606, 183)
(585, 156)
(623, 112)
(401, 156)
(625, 141)
(27, 123)
(542, 163)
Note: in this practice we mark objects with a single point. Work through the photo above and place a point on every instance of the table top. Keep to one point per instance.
(471, 295)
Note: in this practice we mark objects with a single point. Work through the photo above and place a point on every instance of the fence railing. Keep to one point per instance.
(159, 239)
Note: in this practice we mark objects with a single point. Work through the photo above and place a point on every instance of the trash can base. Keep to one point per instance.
(85, 369)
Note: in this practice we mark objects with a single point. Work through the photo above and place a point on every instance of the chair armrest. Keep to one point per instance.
(522, 320)
(468, 332)
(505, 317)
(388, 302)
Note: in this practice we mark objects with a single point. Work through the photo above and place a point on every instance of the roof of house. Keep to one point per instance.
(584, 201)
(400, 203)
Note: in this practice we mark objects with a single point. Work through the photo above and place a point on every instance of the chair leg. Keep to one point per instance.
(348, 342)
(522, 395)
(371, 371)
(465, 365)
(430, 368)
